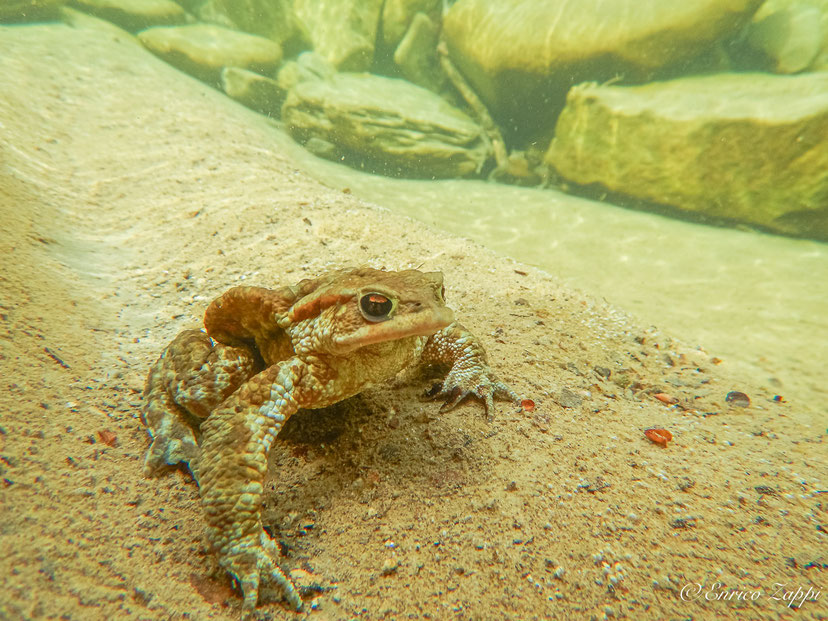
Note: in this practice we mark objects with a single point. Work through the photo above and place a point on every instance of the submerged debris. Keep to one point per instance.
(665, 398)
(739, 399)
(108, 437)
(659, 436)
(569, 399)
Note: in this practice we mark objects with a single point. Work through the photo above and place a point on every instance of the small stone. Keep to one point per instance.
(739, 399)
(389, 567)
(688, 522)
(602, 372)
(686, 483)
(569, 399)
(141, 596)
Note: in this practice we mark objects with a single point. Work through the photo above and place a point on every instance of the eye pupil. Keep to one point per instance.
(375, 306)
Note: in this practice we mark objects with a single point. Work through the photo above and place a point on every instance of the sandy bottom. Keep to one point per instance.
(132, 195)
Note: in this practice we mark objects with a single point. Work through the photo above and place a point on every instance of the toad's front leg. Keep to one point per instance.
(457, 349)
(236, 439)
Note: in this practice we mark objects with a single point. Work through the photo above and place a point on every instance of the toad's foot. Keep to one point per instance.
(250, 561)
(469, 372)
(236, 439)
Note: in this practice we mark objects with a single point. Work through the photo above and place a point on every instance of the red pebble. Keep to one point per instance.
(665, 398)
(108, 437)
(528, 405)
(659, 436)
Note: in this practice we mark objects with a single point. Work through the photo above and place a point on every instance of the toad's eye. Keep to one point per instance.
(375, 306)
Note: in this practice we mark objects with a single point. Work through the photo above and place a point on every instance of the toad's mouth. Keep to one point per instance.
(424, 323)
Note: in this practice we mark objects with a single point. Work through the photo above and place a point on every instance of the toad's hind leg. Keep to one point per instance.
(237, 439)
(192, 376)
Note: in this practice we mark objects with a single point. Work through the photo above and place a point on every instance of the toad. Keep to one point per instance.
(215, 401)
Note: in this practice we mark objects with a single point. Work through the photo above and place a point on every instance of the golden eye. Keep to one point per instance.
(375, 306)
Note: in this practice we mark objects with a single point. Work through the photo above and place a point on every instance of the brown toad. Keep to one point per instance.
(217, 400)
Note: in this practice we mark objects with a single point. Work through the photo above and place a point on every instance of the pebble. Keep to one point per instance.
(739, 399)
(568, 399)
(389, 567)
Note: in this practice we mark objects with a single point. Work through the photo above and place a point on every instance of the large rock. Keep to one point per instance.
(253, 90)
(416, 55)
(523, 55)
(744, 146)
(134, 15)
(273, 19)
(386, 125)
(791, 34)
(342, 31)
(29, 10)
(307, 66)
(203, 50)
(397, 16)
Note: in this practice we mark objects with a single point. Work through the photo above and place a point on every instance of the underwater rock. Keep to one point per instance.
(416, 55)
(387, 126)
(342, 31)
(253, 90)
(791, 34)
(203, 50)
(29, 10)
(322, 148)
(749, 147)
(397, 16)
(308, 66)
(134, 15)
(522, 55)
(272, 19)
